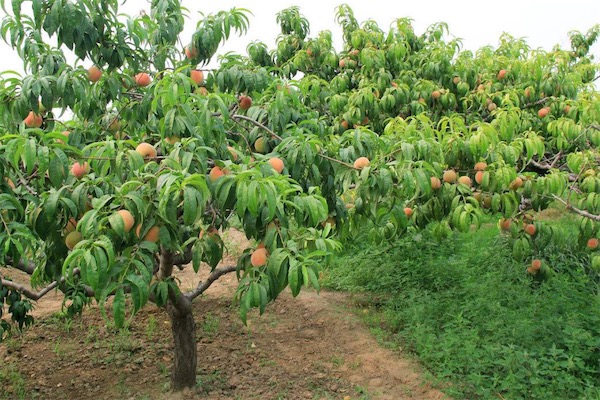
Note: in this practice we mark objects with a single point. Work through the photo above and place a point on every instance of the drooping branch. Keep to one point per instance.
(203, 285)
(578, 211)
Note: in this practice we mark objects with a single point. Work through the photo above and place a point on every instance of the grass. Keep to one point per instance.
(474, 318)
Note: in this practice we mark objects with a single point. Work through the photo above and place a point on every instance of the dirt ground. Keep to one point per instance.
(310, 347)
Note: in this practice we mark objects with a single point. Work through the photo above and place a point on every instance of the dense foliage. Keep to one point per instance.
(130, 160)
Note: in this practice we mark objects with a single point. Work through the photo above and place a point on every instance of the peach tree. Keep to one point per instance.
(122, 159)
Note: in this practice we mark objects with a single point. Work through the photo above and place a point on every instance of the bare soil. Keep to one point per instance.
(310, 347)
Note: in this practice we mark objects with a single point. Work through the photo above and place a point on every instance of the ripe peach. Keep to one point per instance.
(215, 173)
(592, 244)
(191, 52)
(435, 183)
(234, 155)
(543, 112)
(146, 150)
(245, 102)
(259, 257)
(33, 120)
(479, 177)
(465, 180)
(197, 76)
(505, 224)
(142, 79)
(345, 125)
(408, 212)
(436, 94)
(480, 166)
(536, 264)
(501, 74)
(277, 164)
(530, 229)
(128, 220)
(94, 73)
(516, 183)
(361, 162)
(151, 235)
(79, 170)
(449, 176)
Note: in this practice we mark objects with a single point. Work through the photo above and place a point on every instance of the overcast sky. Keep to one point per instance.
(542, 23)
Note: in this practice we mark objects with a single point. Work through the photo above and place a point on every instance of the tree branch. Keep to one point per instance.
(203, 285)
(30, 294)
(26, 266)
(165, 268)
(243, 117)
(576, 210)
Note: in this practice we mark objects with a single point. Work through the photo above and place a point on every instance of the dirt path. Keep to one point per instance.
(310, 347)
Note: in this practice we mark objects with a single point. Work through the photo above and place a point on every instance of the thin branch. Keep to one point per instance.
(576, 210)
(243, 117)
(536, 103)
(337, 161)
(203, 285)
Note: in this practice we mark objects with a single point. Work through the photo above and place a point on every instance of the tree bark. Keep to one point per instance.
(183, 327)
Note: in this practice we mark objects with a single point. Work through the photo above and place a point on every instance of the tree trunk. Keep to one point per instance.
(183, 327)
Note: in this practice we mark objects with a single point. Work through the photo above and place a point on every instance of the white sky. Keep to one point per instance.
(542, 23)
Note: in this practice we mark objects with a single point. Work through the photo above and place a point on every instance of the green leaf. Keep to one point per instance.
(119, 308)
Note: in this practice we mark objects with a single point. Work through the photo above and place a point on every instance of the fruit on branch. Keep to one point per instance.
(71, 225)
(465, 180)
(329, 221)
(479, 177)
(94, 73)
(66, 135)
(361, 163)
(592, 244)
(72, 239)
(245, 102)
(212, 231)
(436, 94)
(516, 183)
(128, 220)
(172, 139)
(142, 79)
(191, 52)
(530, 229)
(197, 76)
(480, 166)
(146, 150)
(234, 155)
(501, 74)
(215, 173)
(79, 170)
(277, 164)
(435, 183)
(543, 112)
(449, 176)
(114, 125)
(33, 120)
(259, 257)
(505, 224)
(152, 234)
(408, 212)
(260, 145)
